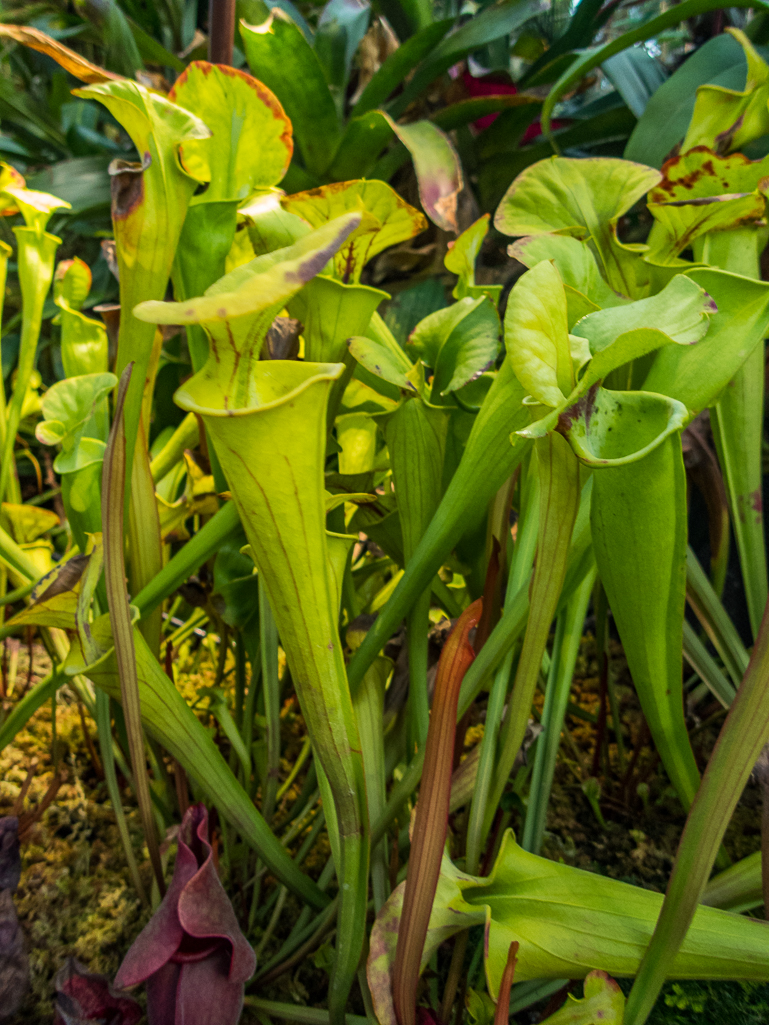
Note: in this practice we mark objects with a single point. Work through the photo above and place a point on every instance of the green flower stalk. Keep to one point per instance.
(267, 421)
(36, 252)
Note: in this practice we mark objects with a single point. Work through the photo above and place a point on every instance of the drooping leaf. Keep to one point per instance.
(437, 167)
(68, 59)
(386, 220)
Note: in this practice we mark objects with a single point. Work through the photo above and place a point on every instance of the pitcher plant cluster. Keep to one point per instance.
(312, 435)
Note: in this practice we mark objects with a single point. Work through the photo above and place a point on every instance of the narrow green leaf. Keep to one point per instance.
(113, 485)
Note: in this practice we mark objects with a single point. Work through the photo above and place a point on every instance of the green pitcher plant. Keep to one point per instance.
(36, 252)
(276, 410)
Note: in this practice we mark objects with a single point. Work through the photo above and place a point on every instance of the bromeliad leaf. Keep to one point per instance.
(537, 336)
(68, 406)
(386, 220)
(437, 167)
(252, 143)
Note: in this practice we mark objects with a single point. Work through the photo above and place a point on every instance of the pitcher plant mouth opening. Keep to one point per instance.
(272, 383)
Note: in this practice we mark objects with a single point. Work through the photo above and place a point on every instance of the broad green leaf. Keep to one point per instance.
(570, 922)
(728, 119)
(681, 311)
(280, 56)
(460, 260)
(251, 143)
(68, 406)
(537, 336)
(382, 362)
(603, 1003)
(636, 76)
(458, 343)
(341, 27)
(696, 375)
(437, 167)
(386, 220)
(703, 192)
(583, 198)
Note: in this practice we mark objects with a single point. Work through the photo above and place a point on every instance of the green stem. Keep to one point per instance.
(559, 504)
(737, 420)
(568, 633)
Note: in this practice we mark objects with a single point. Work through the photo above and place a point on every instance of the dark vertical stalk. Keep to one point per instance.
(221, 31)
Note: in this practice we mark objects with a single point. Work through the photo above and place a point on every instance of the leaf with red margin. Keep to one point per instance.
(252, 140)
(386, 220)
